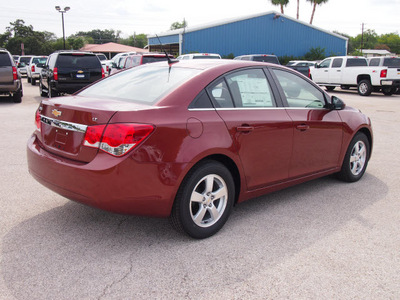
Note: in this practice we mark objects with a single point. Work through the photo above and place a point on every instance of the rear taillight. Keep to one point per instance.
(37, 120)
(108, 69)
(55, 74)
(383, 73)
(33, 68)
(102, 73)
(15, 73)
(116, 139)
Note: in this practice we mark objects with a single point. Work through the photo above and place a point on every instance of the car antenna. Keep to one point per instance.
(170, 61)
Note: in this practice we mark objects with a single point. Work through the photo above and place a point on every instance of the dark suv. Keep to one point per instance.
(66, 72)
(10, 78)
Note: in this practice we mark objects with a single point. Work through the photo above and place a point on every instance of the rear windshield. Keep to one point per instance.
(101, 56)
(143, 84)
(39, 60)
(269, 59)
(78, 61)
(356, 62)
(151, 59)
(5, 60)
(392, 62)
(205, 57)
(25, 59)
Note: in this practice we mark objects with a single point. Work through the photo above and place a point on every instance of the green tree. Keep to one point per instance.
(314, 4)
(136, 40)
(99, 36)
(281, 3)
(177, 25)
(317, 53)
(367, 40)
(391, 40)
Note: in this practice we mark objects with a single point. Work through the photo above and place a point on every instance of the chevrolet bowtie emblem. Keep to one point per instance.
(80, 72)
(56, 112)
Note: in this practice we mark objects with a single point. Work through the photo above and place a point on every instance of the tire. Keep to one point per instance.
(204, 200)
(52, 93)
(42, 93)
(28, 78)
(364, 88)
(388, 91)
(33, 81)
(356, 159)
(330, 88)
(17, 97)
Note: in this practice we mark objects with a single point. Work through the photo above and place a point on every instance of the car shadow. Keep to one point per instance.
(77, 252)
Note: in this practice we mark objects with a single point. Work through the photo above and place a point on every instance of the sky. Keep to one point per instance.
(156, 16)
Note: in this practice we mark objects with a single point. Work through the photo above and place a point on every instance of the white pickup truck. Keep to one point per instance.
(351, 71)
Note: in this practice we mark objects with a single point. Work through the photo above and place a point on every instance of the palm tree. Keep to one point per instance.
(282, 3)
(298, 4)
(315, 3)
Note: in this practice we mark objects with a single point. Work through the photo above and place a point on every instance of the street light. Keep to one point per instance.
(67, 8)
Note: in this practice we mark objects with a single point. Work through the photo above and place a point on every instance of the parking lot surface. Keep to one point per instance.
(324, 239)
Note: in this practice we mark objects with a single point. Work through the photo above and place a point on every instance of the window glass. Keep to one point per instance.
(5, 60)
(250, 89)
(150, 59)
(356, 62)
(266, 58)
(374, 62)
(220, 95)
(325, 63)
(392, 62)
(298, 91)
(39, 60)
(201, 101)
(337, 62)
(78, 61)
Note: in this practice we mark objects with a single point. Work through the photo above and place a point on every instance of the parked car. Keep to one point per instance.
(199, 56)
(22, 64)
(105, 63)
(301, 66)
(190, 139)
(390, 62)
(10, 78)
(16, 57)
(134, 60)
(260, 57)
(353, 71)
(66, 72)
(116, 60)
(35, 67)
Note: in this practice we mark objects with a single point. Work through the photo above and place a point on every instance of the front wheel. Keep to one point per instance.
(204, 200)
(364, 88)
(356, 159)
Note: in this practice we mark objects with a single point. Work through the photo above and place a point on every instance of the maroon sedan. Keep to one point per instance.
(190, 139)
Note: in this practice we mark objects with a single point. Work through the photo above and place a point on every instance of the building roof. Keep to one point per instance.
(376, 51)
(111, 48)
(233, 20)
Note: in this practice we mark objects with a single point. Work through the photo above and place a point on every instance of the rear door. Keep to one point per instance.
(78, 67)
(261, 131)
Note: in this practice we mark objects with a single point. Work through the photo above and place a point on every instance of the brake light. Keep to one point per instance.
(37, 120)
(102, 73)
(15, 73)
(383, 73)
(116, 139)
(55, 74)
(108, 69)
(33, 68)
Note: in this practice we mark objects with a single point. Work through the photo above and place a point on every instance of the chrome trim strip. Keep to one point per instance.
(63, 124)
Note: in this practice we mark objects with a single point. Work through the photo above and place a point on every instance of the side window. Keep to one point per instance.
(325, 63)
(250, 88)
(374, 62)
(201, 101)
(337, 62)
(299, 92)
(51, 61)
(220, 95)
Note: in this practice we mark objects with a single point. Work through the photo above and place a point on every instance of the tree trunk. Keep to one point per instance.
(282, 9)
(298, 9)
(313, 11)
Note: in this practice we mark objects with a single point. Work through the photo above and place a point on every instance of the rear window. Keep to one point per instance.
(151, 59)
(269, 59)
(137, 84)
(392, 62)
(39, 60)
(78, 61)
(101, 56)
(205, 57)
(356, 62)
(5, 60)
(25, 59)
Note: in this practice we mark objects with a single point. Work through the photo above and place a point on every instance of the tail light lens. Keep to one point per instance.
(383, 73)
(37, 120)
(116, 139)
(15, 73)
(33, 68)
(102, 73)
(55, 74)
(108, 69)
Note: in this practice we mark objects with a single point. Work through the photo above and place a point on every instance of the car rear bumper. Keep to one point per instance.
(68, 88)
(10, 87)
(120, 185)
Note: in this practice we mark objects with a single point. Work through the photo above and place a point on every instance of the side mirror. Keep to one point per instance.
(316, 66)
(336, 103)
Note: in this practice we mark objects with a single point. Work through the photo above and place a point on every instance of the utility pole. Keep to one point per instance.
(362, 37)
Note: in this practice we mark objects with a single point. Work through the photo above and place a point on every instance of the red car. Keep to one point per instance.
(190, 139)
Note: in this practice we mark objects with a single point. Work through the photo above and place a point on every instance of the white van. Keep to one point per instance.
(200, 56)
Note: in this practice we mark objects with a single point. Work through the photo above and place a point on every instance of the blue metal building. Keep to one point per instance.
(266, 33)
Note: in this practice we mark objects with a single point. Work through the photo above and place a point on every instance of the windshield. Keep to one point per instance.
(101, 56)
(392, 62)
(143, 84)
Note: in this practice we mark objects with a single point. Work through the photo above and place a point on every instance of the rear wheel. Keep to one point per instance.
(33, 81)
(330, 88)
(17, 97)
(29, 79)
(364, 88)
(204, 200)
(388, 90)
(42, 92)
(356, 159)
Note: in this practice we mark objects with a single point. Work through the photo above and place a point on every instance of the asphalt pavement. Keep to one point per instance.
(324, 239)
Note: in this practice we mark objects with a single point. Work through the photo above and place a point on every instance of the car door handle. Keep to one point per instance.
(302, 127)
(244, 128)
